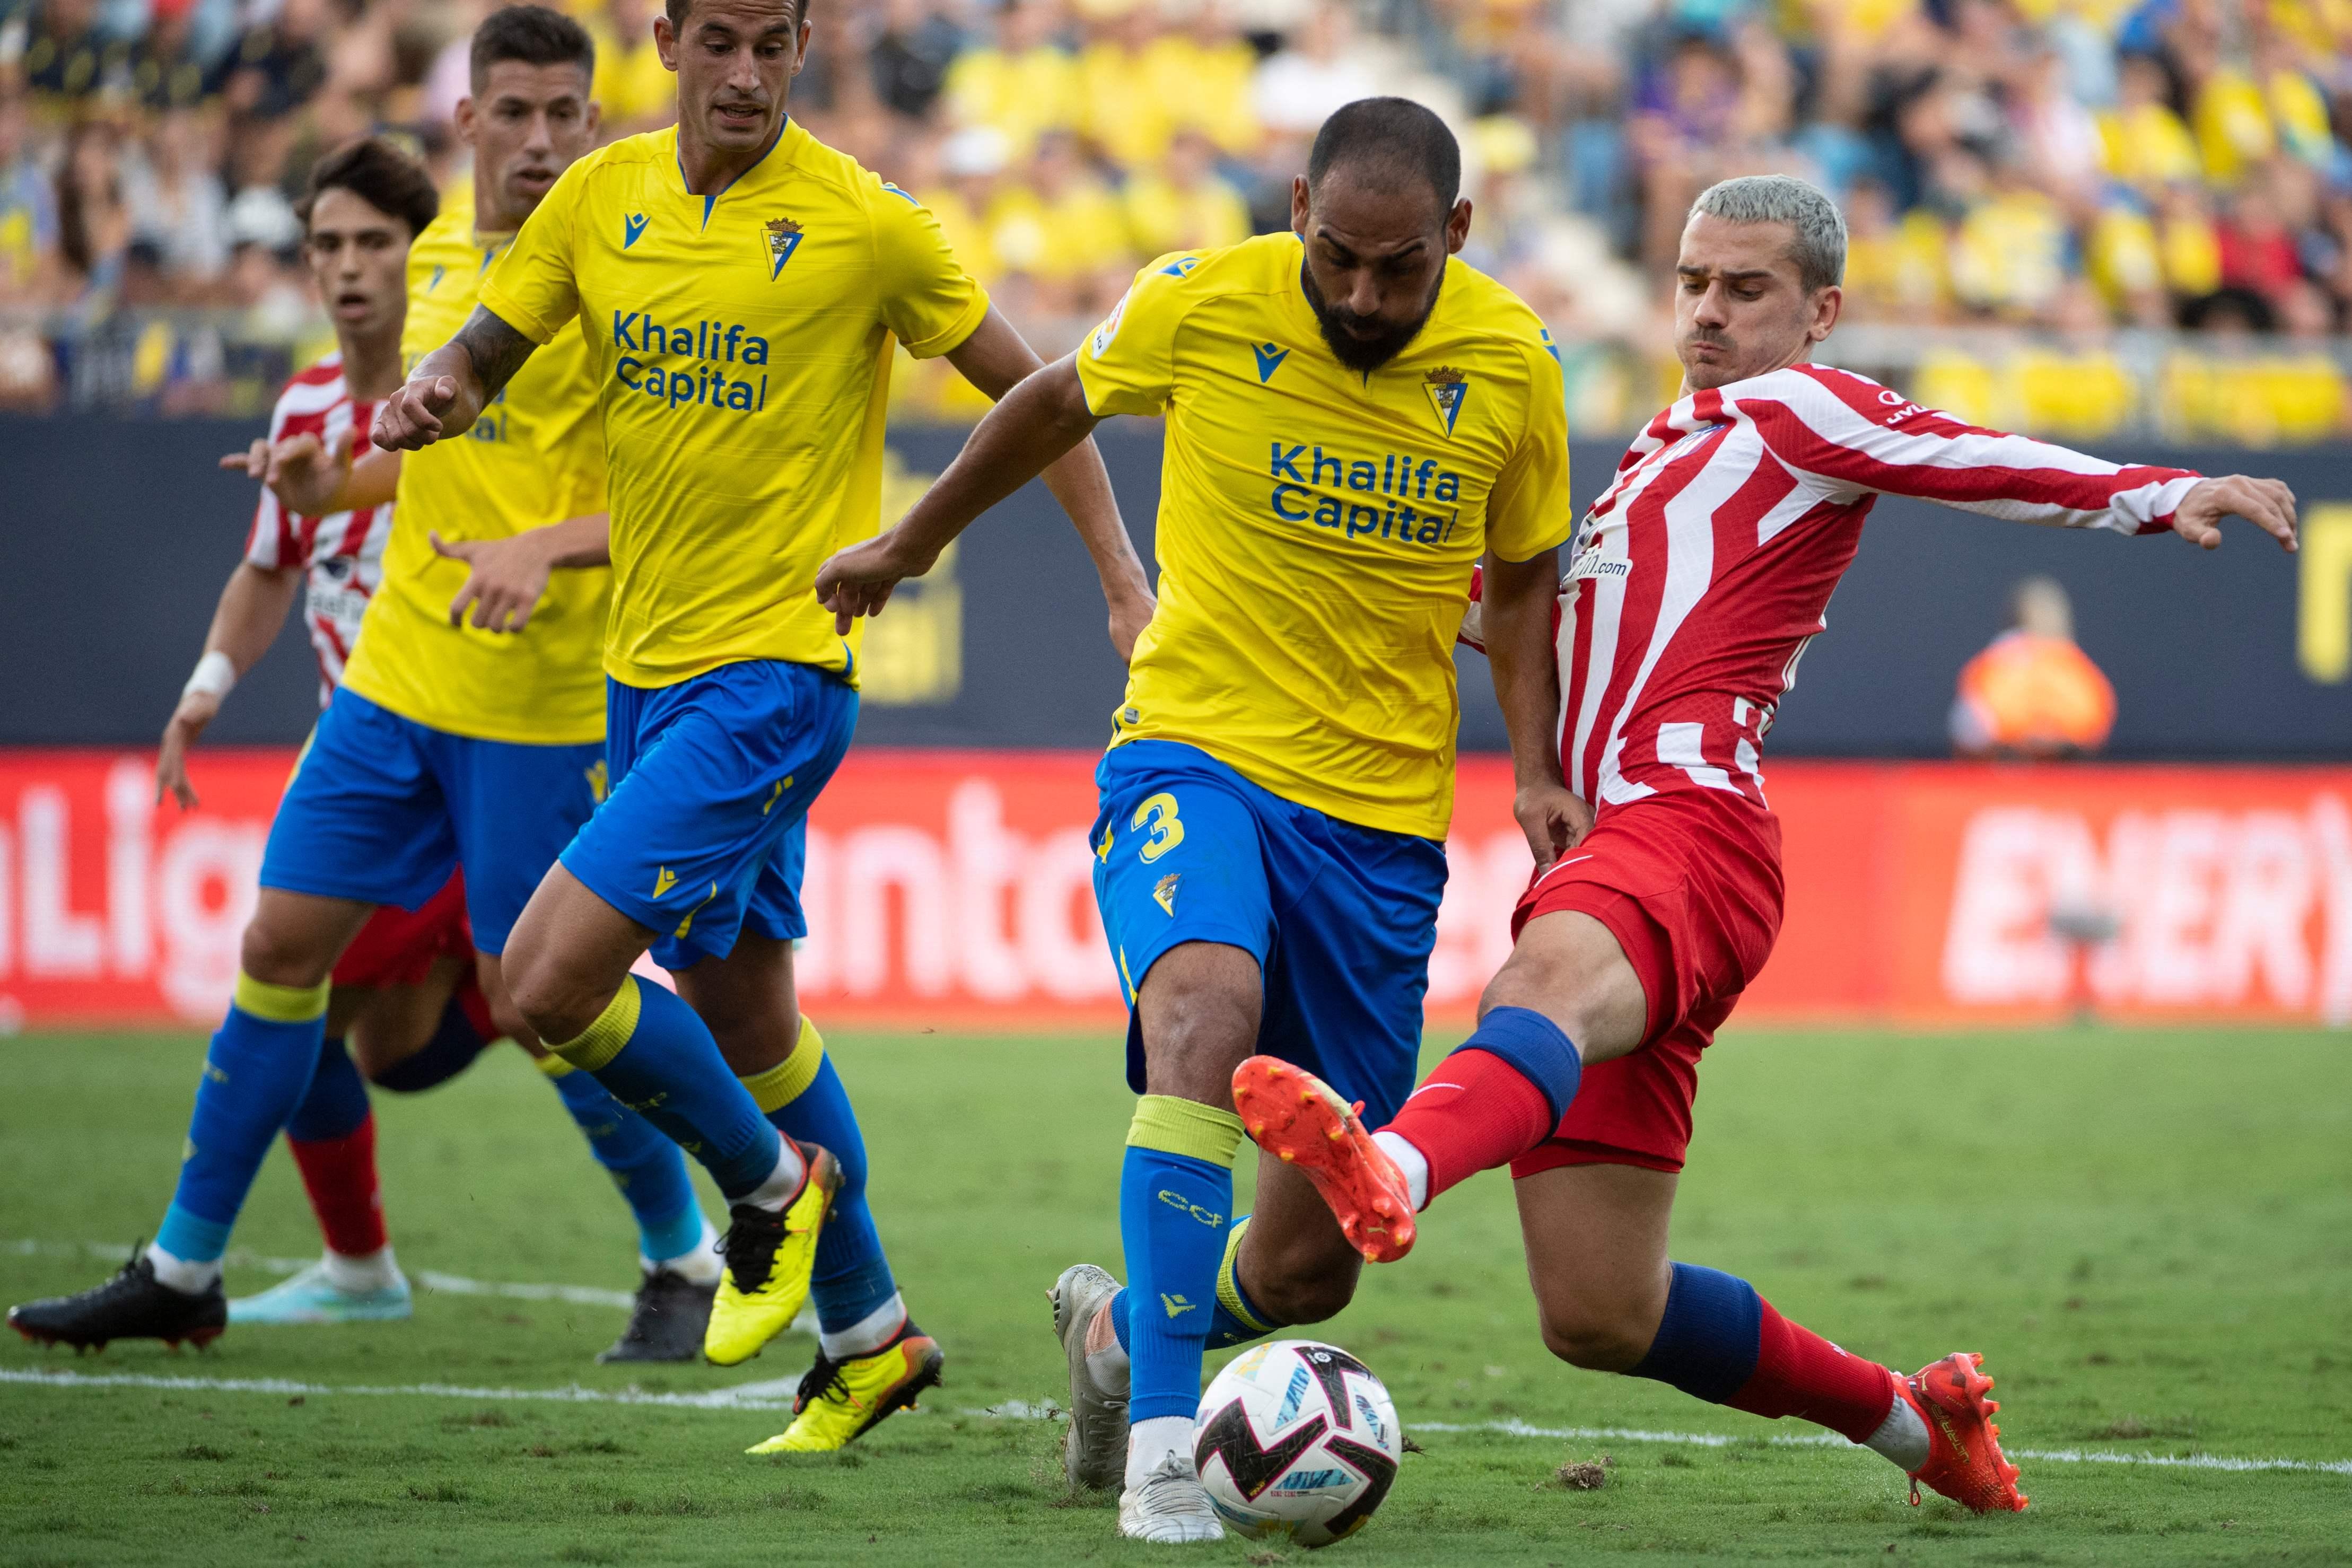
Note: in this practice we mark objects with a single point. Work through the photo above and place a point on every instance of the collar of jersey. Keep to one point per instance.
(711, 203)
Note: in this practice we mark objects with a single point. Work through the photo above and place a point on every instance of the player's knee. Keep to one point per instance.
(1592, 1337)
(1305, 1296)
(543, 998)
(281, 952)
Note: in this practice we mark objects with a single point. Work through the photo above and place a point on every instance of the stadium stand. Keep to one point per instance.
(2085, 217)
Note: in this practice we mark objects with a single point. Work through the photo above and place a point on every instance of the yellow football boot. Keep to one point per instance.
(770, 1256)
(839, 1401)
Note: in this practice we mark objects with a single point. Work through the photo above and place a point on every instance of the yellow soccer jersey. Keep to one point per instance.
(741, 353)
(536, 456)
(1318, 527)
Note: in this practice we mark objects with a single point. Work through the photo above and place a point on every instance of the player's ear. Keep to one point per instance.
(800, 57)
(464, 118)
(1298, 205)
(1457, 227)
(665, 40)
(594, 116)
(1827, 306)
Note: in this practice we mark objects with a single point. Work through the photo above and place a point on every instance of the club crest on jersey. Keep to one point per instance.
(783, 236)
(1448, 390)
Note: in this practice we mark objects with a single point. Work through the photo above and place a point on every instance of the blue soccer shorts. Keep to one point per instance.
(1340, 918)
(381, 809)
(706, 829)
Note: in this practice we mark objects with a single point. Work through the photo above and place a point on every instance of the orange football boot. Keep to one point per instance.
(1964, 1458)
(1297, 1117)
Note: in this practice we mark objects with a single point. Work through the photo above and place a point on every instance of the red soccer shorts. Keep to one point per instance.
(1691, 889)
(397, 946)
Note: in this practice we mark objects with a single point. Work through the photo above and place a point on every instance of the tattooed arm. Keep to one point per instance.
(450, 386)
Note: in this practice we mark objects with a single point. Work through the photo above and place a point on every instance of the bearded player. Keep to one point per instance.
(1697, 578)
(441, 743)
(742, 287)
(1356, 417)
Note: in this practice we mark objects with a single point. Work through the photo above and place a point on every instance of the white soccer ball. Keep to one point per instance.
(1297, 1438)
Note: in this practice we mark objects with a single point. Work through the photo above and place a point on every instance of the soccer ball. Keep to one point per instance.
(1297, 1438)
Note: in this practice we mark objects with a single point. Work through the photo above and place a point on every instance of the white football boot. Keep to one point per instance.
(1094, 1452)
(1170, 1507)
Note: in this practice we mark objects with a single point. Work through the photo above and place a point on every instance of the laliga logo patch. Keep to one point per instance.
(783, 236)
(1448, 390)
(1109, 329)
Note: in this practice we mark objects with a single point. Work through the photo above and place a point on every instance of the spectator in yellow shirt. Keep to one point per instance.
(1025, 85)
(1064, 231)
(1126, 112)
(636, 90)
(2033, 693)
(1185, 204)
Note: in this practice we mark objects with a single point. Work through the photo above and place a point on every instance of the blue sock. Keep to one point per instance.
(804, 1097)
(455, 1044)
(336, 1102)
(646, 1166)
(657, 1056)
(257, 1070)
(1237, 1319)
(1534, 1046)
(1175, 1195)
(1710, 1337)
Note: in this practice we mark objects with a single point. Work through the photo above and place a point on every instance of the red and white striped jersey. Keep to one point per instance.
(342, 555)
(1705, 568)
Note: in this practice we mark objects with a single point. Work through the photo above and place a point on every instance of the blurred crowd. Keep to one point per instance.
(2033, 185)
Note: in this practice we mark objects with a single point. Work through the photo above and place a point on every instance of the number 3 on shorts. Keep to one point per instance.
(1158, 814)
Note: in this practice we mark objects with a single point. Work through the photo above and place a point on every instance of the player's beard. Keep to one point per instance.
(1363, 354)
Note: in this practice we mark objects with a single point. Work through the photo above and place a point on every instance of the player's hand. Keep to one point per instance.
(253, 462)
(859, 580)
(305, 474)
(410, 419)
(1128, 616)
(1554, 819)
(2267, 504)
(197, 710)
(505, 580)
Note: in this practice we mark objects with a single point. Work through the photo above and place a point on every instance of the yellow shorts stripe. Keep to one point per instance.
(788, 1079)
(602, 1039)
(281, 1004)
(1178, 1126)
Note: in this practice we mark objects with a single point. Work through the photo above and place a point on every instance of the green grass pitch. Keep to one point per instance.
(2149, 1234)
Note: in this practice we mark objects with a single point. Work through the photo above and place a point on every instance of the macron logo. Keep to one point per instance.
(631, 227)
(1269, 359)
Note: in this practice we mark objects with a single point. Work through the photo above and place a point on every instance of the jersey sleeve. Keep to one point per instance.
(929, 300)
(1528, 511)
(270, 541)
(1128, 365)
(534, 288)
(1850, 436)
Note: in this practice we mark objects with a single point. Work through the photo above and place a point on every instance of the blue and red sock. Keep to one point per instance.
(1721, 1342)
(1499, 1094)
(331, 1136)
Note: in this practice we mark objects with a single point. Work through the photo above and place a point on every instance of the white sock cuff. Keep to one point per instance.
(1411, 1161)
(374, 1270)
(698, 1264)
(868, 1334)
(784, 1182)
(1902, 1436)
(1153, 1440)
(189, 1278)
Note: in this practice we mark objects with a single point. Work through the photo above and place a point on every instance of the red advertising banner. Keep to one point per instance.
(952, 889)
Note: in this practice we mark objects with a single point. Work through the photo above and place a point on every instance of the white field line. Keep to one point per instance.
(776, 1394)
(431, 1280)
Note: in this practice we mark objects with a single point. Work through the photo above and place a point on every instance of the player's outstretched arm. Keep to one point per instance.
(1516, 623)
(1853, 434)
(253, 606)
(450, 386)
(506, 578)
(1037, 422)
(997, 359)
